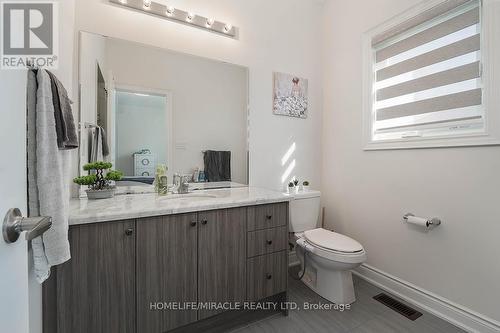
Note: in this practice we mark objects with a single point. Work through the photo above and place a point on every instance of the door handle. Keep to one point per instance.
(14, 224)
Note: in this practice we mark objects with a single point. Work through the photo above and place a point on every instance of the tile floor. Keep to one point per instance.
(365, 316)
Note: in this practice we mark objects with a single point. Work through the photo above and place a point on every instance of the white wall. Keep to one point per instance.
(209, 101)
(367, 193)
(279, 35)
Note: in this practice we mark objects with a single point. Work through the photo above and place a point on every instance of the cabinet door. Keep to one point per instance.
(222, 257)
(95, 290)
(166, 271)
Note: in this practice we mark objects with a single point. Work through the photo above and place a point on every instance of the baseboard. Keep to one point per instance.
(456, 314)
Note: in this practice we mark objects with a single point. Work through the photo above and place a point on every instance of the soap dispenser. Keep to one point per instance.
(161, 180)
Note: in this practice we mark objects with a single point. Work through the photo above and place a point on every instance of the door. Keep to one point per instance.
(95, 290)
(166, 272)
(13, 257)
(222, 256)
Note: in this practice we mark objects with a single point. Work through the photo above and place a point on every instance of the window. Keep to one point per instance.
(424, 82)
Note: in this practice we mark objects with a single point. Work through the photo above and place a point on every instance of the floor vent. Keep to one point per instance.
(397, 306)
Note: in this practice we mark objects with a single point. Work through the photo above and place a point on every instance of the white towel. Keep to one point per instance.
(52, 177)
(41, 268)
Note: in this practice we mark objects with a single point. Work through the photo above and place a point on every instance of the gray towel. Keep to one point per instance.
(217, 165)
(33, 205)
(67, 137)
(48, 178)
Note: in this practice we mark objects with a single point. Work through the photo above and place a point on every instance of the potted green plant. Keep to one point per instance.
(290, 187)
(305, 185)
(99, 180)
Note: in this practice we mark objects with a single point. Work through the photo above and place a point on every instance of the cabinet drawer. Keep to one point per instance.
(266, 275)
(144, 160)
(144, 172)
(267, 216)
(267, 241)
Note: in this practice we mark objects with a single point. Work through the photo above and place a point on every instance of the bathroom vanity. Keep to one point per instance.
(140, 263)
(146, 263)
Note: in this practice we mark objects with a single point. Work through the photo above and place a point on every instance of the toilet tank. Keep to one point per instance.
(304, 210)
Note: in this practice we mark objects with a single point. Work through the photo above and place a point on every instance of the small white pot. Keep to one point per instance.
(100, 194)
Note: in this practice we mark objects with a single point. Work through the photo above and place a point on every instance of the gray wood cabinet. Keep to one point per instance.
(267, 263)
(123, 274)
(166, 271)
(222, 257)
(95, 290)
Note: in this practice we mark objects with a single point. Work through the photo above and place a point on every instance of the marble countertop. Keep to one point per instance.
(131, 206)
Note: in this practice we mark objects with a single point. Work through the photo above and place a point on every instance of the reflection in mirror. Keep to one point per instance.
(143, 107)
(141, 132)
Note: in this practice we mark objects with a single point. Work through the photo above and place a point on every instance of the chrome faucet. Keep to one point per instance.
(181, 183)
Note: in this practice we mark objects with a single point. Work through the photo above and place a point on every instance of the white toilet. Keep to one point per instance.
(329, 256)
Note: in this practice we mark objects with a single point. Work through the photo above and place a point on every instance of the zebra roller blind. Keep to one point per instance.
(427, 74)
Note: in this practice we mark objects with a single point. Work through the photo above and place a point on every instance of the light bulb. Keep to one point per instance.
(147, 4)
(170, 11)
(210, 22)
(190, 17)
(228, 28)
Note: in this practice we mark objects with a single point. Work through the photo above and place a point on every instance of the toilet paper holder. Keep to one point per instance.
(429, 223)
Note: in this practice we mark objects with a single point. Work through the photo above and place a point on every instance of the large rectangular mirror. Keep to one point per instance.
(142, 106)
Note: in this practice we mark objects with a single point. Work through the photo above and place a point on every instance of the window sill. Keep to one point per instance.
(429, 143)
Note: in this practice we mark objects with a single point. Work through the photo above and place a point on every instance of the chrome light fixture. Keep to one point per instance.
(170, 11)
(180, 16)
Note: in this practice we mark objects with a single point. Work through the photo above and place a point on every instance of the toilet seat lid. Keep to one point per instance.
(332, 241)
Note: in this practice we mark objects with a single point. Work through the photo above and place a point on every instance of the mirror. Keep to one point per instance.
(142, 106)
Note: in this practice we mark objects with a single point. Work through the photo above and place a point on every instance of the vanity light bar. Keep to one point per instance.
(180, 16)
